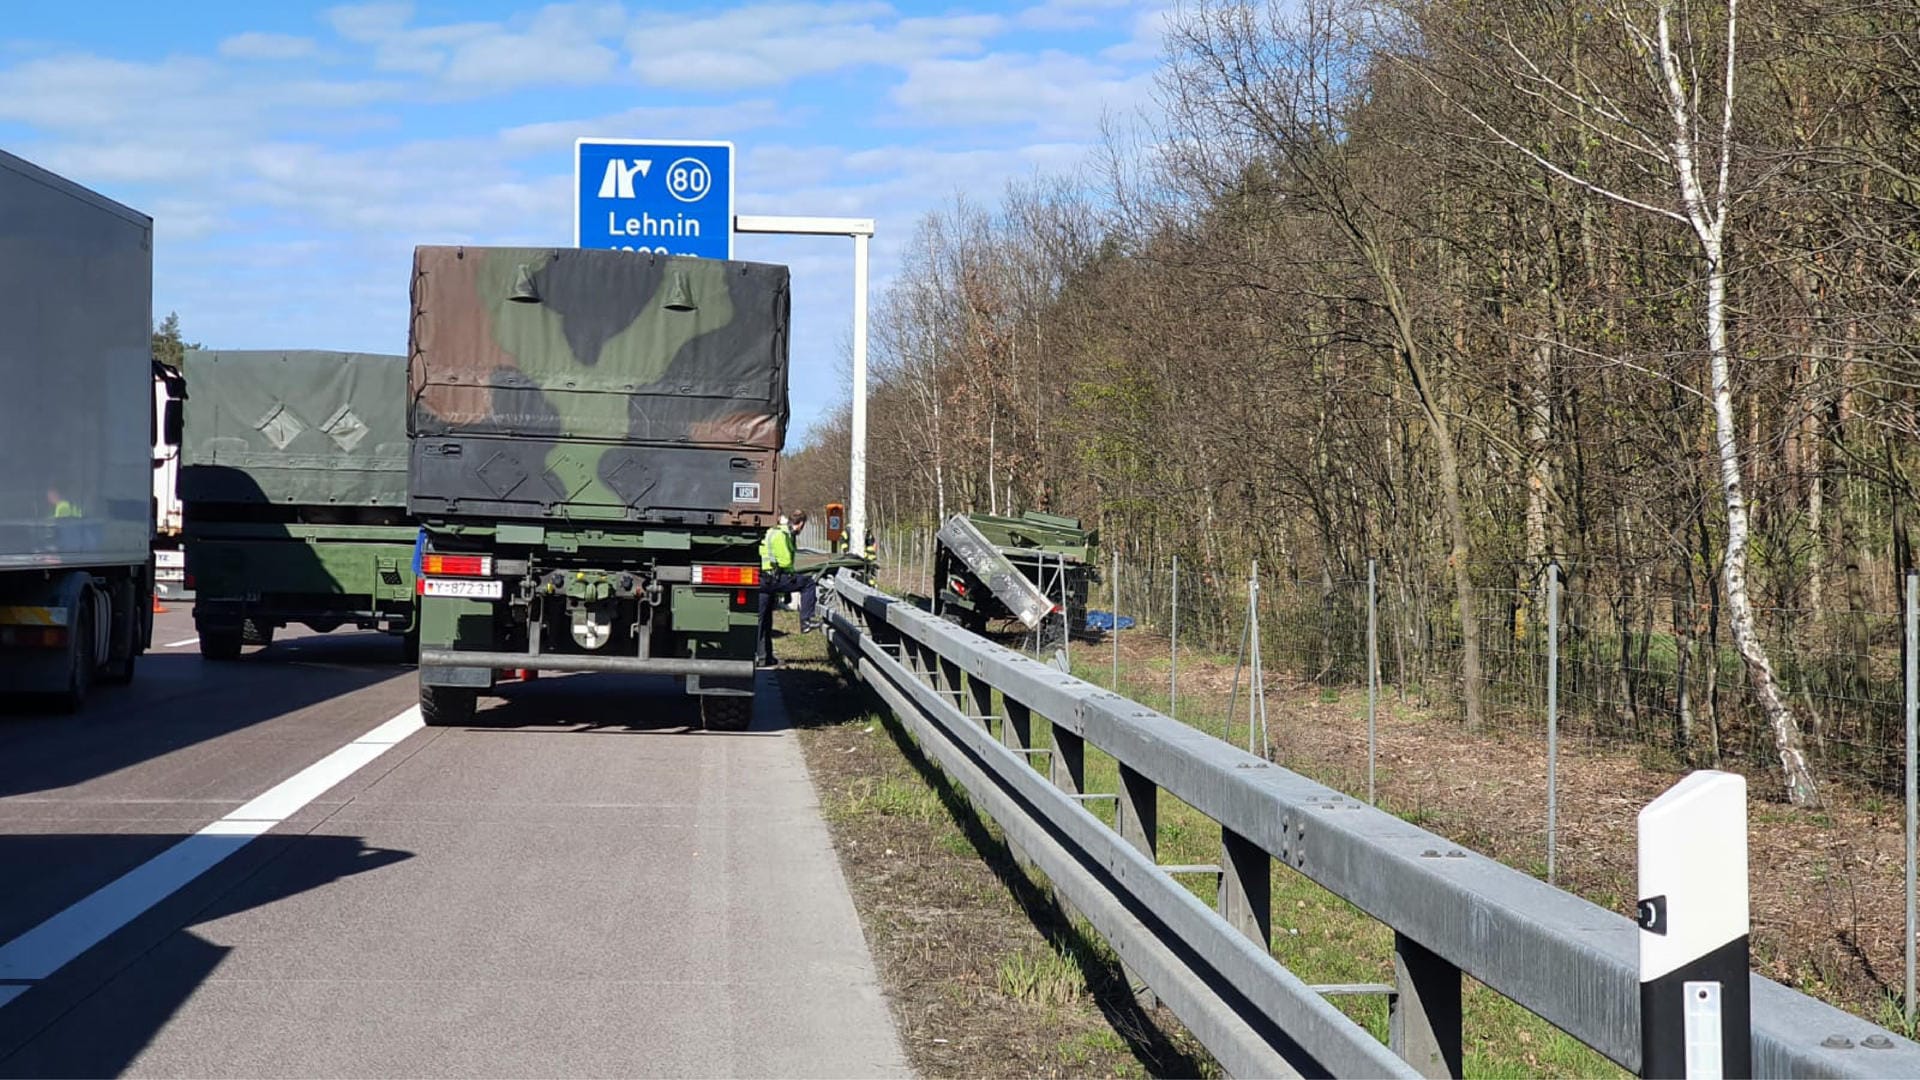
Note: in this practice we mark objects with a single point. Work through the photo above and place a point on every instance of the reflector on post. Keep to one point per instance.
(1695, 1014)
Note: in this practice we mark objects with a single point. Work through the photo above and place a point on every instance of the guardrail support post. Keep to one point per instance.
(1069, 769)
(1017, 732)
(980, 696)
(1246, 887)
(1423, 1021)
(1136, 818)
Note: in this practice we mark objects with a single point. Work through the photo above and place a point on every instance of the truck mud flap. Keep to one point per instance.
(720, 684)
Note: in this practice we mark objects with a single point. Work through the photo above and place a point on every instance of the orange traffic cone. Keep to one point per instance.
(157, 609)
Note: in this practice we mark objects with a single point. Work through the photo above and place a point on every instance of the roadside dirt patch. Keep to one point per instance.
(986, 976)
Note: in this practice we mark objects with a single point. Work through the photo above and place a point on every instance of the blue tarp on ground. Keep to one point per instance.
(1103, 620)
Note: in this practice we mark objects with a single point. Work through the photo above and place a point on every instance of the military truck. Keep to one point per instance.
(293, 487)
(595, 436)
(1034, 568)
(76, 428)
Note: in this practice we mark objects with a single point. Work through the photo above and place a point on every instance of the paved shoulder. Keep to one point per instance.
(609, 895)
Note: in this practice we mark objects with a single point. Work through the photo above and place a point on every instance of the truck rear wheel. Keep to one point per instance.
(81, 677)
(447, 706)
(220, 644)
(126, 641)
(726, 712)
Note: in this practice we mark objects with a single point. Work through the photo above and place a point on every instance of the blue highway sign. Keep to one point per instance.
(675, 198)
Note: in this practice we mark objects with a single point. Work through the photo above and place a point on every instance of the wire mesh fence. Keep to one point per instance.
(1653, 665)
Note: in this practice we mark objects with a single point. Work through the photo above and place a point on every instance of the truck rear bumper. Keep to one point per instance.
(656, 665)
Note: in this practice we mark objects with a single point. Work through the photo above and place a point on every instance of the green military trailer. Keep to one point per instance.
(1034, 569)
(293, 495)
(595, 436)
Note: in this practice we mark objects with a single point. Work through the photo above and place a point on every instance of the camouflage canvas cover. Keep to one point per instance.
(567, 383)
(303, 427)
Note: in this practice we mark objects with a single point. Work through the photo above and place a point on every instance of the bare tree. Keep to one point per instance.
(1695, 150)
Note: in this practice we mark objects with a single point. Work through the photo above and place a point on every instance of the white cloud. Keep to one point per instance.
(560, 44)
(650, 121)
(771, 44)
(255, 45)
(1069, 14)
(1053, 91)
(1148, 40)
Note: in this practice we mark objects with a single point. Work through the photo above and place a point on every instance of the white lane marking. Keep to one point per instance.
(283, 799)
(48, 947)
(180, 644)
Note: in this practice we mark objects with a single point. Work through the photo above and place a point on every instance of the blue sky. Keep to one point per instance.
(292, 154)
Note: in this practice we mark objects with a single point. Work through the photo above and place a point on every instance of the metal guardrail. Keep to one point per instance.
(973, 704)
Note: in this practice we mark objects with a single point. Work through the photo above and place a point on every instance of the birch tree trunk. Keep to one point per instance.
(1709, 223)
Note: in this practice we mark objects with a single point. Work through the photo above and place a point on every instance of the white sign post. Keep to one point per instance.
(861, 230)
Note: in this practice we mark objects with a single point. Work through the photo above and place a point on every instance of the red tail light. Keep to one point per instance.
(727, 575)
(458, 565)
(189, 581)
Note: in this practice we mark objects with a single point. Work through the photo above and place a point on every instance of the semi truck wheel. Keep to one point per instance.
(447, 706)
(80, 677)
(220, 644)
(126, 639)
(726, 712)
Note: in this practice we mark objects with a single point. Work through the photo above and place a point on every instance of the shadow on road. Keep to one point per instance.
(611, 704)
(97, 1014)
(179, 699)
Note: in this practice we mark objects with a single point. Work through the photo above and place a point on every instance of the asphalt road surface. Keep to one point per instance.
(268, 868)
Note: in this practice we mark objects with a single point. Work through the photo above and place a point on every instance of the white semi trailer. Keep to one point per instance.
(77, 430)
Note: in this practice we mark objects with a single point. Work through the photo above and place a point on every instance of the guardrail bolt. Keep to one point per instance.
(1429, 854)
(1877, 1042)
(1837, 1042)
(1456, 853)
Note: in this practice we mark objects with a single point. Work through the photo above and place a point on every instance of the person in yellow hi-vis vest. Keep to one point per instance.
(777, 579)
(62, 507)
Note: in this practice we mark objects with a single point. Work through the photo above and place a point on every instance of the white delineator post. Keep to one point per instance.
(1695, 1013)
(861, 230)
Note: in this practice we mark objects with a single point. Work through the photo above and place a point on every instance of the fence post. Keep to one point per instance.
(1553, 718)
(1116, 619)
(1913, 711)
(1066, 617)
(1173, 661)
(1373, 675)
(1233, 696)
(1258, 702)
